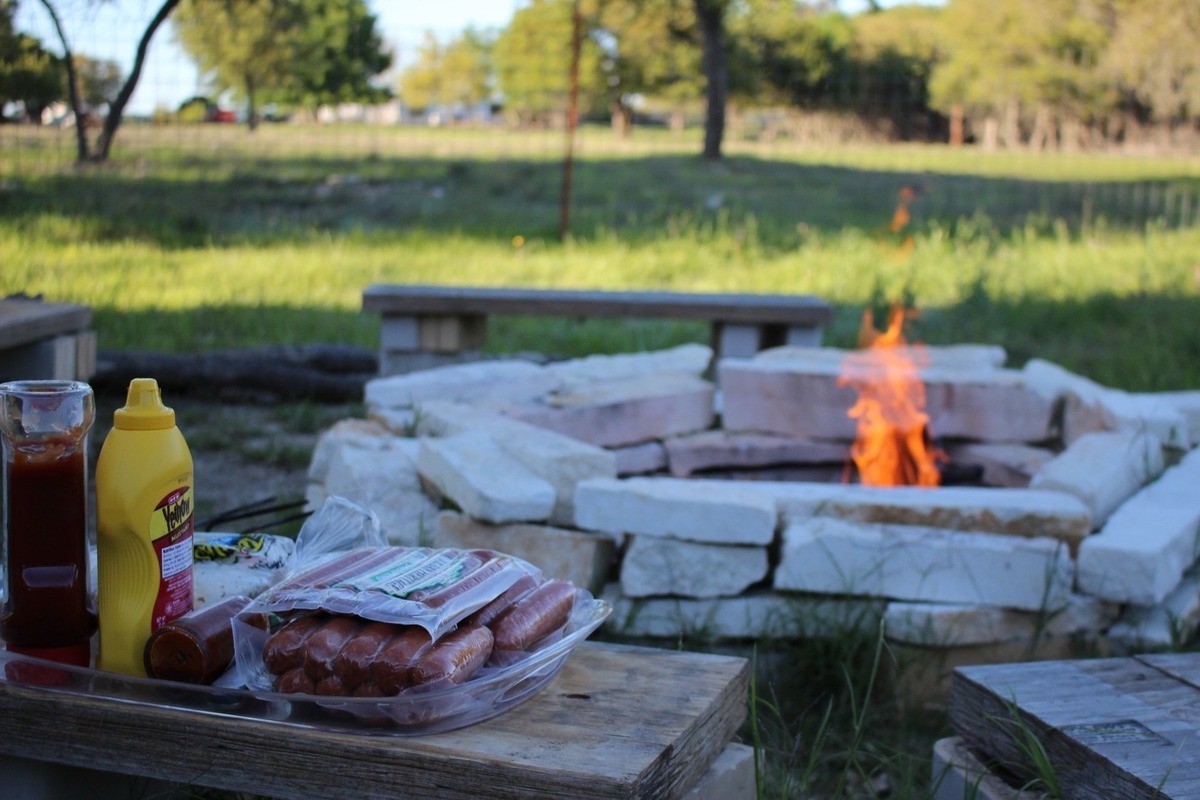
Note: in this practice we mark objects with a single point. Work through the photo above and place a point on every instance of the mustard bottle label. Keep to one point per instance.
(171, 528)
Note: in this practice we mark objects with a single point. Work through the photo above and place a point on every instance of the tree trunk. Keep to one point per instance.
(251, 106)
(622, 120)
(711, 16)
(81, 140)
(117, 109)
(958, 125)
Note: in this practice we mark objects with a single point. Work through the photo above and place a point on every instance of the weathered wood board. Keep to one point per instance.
(25, 321)
(1111, 728)
(617, 722)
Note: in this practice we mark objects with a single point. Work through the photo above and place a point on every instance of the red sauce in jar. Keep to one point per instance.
(47, 561)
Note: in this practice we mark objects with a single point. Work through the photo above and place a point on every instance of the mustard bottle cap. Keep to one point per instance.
(144, 409)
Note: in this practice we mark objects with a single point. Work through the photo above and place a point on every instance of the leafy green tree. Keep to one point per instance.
(29, 74)
(533, 63)
(99, 80)
(338, 55)
(458, 72)
(1155, 57)
(304, 52)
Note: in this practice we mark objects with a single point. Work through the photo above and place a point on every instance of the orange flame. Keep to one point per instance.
(891, 447)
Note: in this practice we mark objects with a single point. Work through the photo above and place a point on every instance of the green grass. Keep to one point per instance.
(1057, 257)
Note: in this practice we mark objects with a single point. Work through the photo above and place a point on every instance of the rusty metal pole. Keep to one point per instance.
(564, 217)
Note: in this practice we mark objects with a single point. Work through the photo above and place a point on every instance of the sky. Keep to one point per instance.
(111, 30)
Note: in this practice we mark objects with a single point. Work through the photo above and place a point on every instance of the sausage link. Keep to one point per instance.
(352, 664)
(295, 681)
(331, 686)
(467, 567)
(284, 649)
(321, 648)
(391, 669)
(484, 616)
(455, 656)
(196, 648)
(541, 612)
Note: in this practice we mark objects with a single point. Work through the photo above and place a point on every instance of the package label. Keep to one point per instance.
(171, 528)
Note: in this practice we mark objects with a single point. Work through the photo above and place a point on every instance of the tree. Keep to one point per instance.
(305, 52)
(1155, 59)
(116, 109)
(457, 73)
(533, 63)
(29, 74)
(99, 80)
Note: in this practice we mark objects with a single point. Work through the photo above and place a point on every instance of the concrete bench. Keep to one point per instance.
(426, 326)
(40, 340)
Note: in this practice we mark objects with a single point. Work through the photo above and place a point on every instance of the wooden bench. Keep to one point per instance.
(617, 722)
(426, 326)
(40, 340)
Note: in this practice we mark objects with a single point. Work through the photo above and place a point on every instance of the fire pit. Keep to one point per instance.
(617, 471)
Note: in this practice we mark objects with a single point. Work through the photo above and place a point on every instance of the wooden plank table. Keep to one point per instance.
(1112, 728)
(616, 722)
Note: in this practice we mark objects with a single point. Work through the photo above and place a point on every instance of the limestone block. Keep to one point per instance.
(640, 459)
(958, 774)
(580, 557)
(1008, 465)
(1012, 512)
(575, 374)
(1186, 404)
(719, 448)
(753, 615)
(1103, 469)
(943, 357)
(476, 382)
(958, 625)
(361, 461)
(1141, 553)
(702, 511)
(559, 460)
(923, 564)
(1166, 626)
(625, 412)
(483, 479)
(654, 565)
(1092, 407)
(802, 398)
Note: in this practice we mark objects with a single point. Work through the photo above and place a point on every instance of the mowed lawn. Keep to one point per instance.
(210, 237)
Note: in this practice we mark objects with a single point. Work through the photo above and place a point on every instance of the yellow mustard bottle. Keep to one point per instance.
(144, 525)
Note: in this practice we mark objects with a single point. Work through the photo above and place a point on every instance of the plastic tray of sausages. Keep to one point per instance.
(490, 691)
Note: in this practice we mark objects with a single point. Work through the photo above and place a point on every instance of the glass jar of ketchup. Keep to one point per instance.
(47, 610)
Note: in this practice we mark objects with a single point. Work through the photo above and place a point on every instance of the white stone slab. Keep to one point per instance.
(754, 615)
(945, 357)
(811, 399)
(720, 448)
(923, 564)
(687, 359)
(1103, 469)
(717, 512)
(617, 413)
(731, 776)
(1187, 404)
(363, 462)
(1092, 407)
(1141, 553)
(475, 382)
(655, 565)
(585, 559)
(1012, 512)
(958, 625)
(484, 480)
(640, 459)
(1169, 625)
(560, 460)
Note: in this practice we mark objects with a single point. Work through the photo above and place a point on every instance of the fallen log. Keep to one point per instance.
(327, 373)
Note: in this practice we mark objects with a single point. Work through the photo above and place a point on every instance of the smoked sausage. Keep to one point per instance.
(196, 648)
(391, 668)
(284, 649)
(538, 614)
(323, 645)
(352, 664)
(455, 656)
